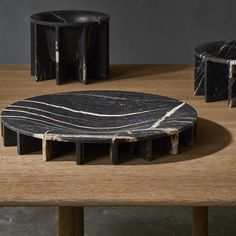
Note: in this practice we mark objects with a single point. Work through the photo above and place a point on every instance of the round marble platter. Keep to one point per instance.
(116, 117)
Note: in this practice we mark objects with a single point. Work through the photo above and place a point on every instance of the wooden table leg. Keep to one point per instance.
(200, 221)
(71, 221)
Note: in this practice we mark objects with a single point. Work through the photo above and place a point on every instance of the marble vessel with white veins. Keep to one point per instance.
(70, 44)
(215, 71)
(114, 117)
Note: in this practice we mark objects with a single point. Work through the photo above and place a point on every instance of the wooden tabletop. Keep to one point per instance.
(201, 175)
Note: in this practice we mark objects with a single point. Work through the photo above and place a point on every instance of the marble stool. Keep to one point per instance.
(215, 71)
(69, 45)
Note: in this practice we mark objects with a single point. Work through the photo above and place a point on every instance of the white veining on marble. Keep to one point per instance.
(92, 113)
(168, 114)
(37, 109)
(59, 137)
(167, 130)
(223, 46)
(99, 19)
(116, 98)
(57, 52)
(187, 118)
(196, 90)
(58, 17)
(200, 76)
(34, 120)
(101, 136)
(229, 49)
(178, 121)
(93, 95)
(200, 65)
(74, 125)
(84, 72)
(159, 129)
(64, 118)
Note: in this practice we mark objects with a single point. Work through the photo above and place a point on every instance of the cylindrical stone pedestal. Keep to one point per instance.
(215, 71)
(70, 45)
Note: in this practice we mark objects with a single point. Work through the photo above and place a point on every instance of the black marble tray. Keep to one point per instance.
(215, 71)
(115, 117)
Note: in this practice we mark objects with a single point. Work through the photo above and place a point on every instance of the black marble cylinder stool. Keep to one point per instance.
(215, 71)
(70, 45)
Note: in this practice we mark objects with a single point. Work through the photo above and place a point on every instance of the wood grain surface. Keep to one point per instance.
(71, 221)
(202, 175)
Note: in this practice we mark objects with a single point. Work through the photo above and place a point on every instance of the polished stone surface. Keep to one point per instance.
(215, 71)
(113, 117)
(69, 17)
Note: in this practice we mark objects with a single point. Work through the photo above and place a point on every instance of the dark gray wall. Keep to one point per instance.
(151, 31)
(141, 31)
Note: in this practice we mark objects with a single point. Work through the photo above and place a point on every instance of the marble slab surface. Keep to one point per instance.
(98, 117)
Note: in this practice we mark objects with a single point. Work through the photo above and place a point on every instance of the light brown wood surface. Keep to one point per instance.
(202, 175)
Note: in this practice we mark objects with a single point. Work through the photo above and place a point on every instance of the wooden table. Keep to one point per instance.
(201, 176)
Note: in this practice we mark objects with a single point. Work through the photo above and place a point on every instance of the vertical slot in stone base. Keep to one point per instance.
(162, 144)
(9, 137)
(114, 152)
(80, 153)
(27, 144)
(186, 137)
(45, 53)
(98, 51)
(143, 149)
(53, 149)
